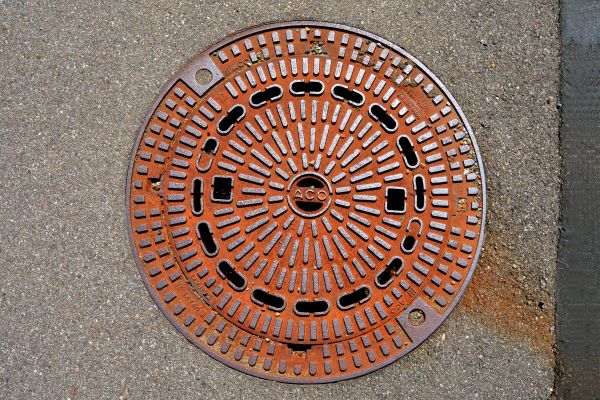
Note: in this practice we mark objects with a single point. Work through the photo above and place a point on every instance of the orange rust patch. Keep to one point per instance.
(497, 298)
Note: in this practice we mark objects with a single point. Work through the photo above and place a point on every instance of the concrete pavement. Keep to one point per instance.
(77, 78)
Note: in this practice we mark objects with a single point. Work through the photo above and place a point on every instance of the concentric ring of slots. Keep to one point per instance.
(313, 210)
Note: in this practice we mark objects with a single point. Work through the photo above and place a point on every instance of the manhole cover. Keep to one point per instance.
(306, 202)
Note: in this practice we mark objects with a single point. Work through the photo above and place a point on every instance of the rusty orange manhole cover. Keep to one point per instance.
(306, 202)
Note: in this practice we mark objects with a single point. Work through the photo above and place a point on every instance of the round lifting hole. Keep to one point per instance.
(408, 244)
(210, 146)
(203, 76)
(416, 317)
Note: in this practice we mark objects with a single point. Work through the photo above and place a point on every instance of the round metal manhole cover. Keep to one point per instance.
(307, 202)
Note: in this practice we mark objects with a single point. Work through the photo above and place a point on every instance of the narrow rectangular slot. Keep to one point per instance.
(197, 206)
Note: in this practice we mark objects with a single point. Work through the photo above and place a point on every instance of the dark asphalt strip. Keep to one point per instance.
(578, 274)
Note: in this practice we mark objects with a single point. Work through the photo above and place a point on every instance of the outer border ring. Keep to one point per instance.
(249, 32)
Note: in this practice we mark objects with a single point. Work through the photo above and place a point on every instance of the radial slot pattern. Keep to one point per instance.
(313, 210)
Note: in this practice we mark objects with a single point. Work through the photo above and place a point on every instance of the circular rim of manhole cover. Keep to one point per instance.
(307, 202)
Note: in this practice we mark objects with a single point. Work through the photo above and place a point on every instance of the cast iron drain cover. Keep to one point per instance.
(307, 202)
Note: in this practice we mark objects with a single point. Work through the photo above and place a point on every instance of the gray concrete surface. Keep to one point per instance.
(76, 79)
